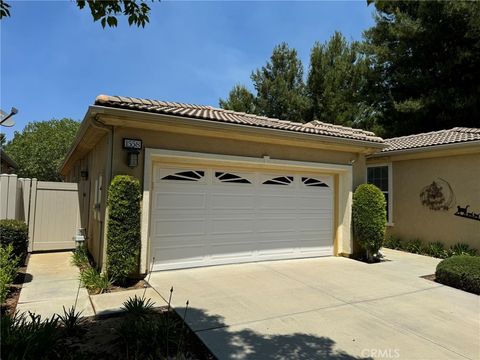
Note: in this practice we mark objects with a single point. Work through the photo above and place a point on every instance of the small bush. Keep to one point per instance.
(29, 337)
(393, 242)
(80, 257)
(15, 232)
(461, 272)
(95, 282)
(71, 320)
(414, 246)
(123, 229)
(461, 249)
(8, 270)
(435, 249)
(138, 306)
(369, 218)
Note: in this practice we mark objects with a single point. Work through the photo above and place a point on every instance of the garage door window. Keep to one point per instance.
(313, 182)
(193, 175)
(225, 177)
(280, 180)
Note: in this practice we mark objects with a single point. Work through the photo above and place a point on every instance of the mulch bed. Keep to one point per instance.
(429, 277)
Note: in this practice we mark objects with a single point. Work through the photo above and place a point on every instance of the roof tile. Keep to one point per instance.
(228, 116)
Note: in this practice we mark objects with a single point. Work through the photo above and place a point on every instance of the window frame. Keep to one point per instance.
(390, 188)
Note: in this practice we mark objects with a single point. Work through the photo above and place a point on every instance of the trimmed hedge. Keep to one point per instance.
(369, 218)
(15, 232)
(8, 270)
(123, 228)
(461, 272)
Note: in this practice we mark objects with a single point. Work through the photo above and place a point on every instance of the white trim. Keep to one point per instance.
(390, 188)
(342, 232)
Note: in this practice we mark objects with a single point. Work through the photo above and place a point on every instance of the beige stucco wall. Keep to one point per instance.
(182, 142)
(412, 220)
(93, 219)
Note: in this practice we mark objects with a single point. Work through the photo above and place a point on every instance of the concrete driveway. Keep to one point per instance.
(327, 308)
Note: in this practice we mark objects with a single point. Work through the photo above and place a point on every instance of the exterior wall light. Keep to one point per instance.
(133, 147)
(84, 175)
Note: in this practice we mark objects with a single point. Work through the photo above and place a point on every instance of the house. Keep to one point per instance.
(7, 165)
(432, 185)
(219, 187)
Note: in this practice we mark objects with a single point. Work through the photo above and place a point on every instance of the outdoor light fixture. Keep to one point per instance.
(133, 147)
(84, 174)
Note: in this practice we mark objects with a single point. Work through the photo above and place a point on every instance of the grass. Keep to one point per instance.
(94, 281)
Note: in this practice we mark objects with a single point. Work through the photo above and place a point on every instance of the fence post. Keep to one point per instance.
(26, 191)
(12, 196)
(31, 217)
(3, 195)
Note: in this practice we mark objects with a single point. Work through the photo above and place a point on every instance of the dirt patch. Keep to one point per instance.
(429, 277)
(100, 338)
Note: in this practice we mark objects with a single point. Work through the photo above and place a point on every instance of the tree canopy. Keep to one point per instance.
(426, 64)
(280, 87)
(136, 11)
(239, 99)
(41, 147)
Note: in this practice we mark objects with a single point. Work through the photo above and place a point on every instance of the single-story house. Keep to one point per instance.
(7, 164)
(219, 186)
(432, 185)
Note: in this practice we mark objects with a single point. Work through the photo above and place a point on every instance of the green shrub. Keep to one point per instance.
(414, 246)
(29, 337)
(80, 257)
(138, 306)
(369, 218)
(435, 249)
(94, 281)
(71, 320)
(8, 270)
(123, 229)
(461, 249)
(15, 232)
(461, 272)
(393, 242)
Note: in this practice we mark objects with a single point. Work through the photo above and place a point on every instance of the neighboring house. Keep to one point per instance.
(432, 183)
(219, 187)
(7, 165)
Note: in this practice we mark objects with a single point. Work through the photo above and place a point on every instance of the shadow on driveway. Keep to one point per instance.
(248, 344)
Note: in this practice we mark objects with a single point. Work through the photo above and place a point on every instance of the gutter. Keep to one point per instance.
(231, 126)
(426, 149)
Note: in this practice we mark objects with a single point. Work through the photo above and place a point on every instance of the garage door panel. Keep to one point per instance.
(180, 200)
(231, 226)
(213, 220)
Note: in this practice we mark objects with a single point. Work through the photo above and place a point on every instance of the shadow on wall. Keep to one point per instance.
(249, 345)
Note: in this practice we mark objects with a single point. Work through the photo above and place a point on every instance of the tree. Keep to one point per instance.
(280, 87)
(239, 99)
(335, 82)
(425, 60)
(41, 147)
(136, 11)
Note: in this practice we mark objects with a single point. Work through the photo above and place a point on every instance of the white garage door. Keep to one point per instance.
(205, 216)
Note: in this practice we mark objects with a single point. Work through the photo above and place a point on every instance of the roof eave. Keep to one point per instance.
(425, 149)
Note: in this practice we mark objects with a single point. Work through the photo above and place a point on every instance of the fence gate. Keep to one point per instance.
(51, 210)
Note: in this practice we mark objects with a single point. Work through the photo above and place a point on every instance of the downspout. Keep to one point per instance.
(108, 178)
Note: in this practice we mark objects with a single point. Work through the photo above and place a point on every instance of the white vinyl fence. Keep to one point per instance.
(50, 209)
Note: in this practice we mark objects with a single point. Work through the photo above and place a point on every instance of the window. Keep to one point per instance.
(313, 182)
(193, 175)
(280, 180)
(230, 178)
(381, 176)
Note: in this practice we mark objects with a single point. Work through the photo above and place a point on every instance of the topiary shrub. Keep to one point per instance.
(123, 228)
(461, 272)
(15, 232)
(369, 219)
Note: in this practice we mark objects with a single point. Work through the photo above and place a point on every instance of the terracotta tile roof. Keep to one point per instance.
(442, 137)
(216, 114)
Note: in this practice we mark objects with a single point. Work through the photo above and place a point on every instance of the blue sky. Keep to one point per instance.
(55, 60)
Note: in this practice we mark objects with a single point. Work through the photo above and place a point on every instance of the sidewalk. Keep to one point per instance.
(52, 283)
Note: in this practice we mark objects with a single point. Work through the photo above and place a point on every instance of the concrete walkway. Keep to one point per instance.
(52, 282)
(327, 308)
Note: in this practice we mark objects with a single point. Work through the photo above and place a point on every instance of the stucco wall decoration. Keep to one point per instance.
(438, 195)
